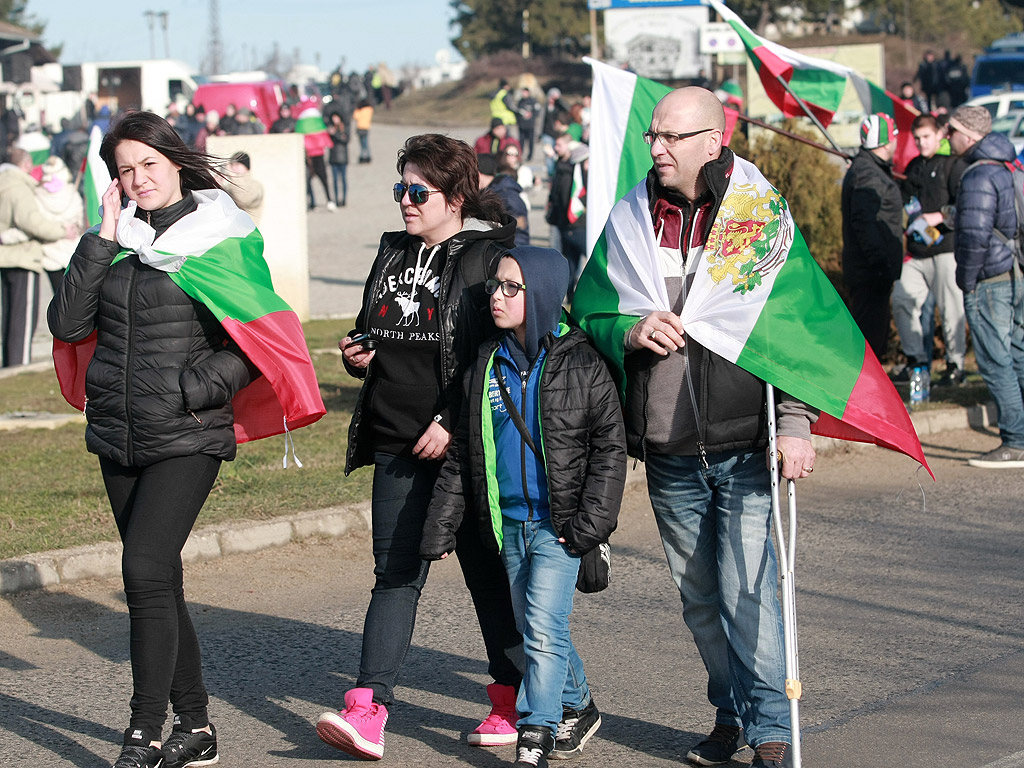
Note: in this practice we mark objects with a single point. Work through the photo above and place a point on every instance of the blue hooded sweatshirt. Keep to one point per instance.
(522, 480)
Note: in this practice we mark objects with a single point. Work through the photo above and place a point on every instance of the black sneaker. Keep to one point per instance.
(1002, 457)
(903, 374)
(185, 747)
(772, 754)
(952, 377)
(137, 752)
(532, 747)
(719, 747)
(575, 730)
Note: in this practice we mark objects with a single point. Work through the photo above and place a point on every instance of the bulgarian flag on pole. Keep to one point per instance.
(215, 255)
(819, 83)
(620, 112)
(758, 298)
(97, 177)
(311, 125)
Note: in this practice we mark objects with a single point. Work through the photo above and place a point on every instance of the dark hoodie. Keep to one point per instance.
(522, 481)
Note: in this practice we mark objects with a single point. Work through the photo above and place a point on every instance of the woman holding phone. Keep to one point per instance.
(424, 314)
(160, 371)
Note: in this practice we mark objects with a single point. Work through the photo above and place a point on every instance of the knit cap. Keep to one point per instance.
(975, 119)
(877, 130)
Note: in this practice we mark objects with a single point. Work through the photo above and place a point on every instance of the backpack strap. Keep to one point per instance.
(1012, 242)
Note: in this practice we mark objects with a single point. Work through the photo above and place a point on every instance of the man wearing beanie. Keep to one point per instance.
(872, 208)
(988, 273)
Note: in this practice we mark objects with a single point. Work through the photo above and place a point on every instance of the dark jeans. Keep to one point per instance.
(526, 134)
(340, 170)
(401, 494)
(315, 166)
(19, 308)
(869, 305)
(155, 508)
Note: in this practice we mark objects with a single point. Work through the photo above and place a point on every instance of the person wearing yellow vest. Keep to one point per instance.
(501, 104)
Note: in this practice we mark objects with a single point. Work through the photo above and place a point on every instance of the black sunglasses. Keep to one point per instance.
(418, 193)
(508, 287)
(668, 139)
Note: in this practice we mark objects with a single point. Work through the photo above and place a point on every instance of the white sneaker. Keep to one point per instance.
(330, 205)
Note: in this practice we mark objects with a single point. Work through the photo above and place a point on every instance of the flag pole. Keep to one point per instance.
(807, 111)
(791, 135)
(787, 555)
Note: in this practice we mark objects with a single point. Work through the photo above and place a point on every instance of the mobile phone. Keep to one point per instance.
(364, 340)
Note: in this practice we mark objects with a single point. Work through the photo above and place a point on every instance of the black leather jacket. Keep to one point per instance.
(464, 317)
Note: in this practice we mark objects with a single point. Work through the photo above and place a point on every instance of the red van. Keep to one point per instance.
(264, 98)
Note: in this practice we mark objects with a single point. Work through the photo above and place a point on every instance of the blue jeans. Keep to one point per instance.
(995, 315)
(715, 526)
(542, 576)
(339, 170)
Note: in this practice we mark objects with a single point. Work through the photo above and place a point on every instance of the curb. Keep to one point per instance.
(95, 561)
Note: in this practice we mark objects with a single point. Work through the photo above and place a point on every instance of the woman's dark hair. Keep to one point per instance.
(451, 166)
(198, 169)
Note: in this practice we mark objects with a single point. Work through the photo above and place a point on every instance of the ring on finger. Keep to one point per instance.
(808, 470)
(651, 335)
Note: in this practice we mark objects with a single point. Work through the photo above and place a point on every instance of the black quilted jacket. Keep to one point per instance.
(161, 380)
(584, 449)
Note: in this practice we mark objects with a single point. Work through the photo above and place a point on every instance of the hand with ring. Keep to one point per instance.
(660, 332)
(795, 457)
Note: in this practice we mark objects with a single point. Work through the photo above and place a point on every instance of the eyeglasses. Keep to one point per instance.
(512, 153)
(418, 193)
(669, 139)
(508, 287)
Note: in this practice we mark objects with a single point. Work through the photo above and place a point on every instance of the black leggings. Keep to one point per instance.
(155, 508)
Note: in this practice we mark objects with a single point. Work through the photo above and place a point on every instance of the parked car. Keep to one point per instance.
(1011, 125)
(1000, 103)
(1000, 67)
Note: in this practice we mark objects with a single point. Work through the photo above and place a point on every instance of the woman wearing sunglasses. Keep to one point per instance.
(426, 312)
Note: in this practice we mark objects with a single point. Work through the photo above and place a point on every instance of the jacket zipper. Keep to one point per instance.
(701, 452)
(522, 450)
(129, 365)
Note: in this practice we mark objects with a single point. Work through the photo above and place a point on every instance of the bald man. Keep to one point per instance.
(698, 423)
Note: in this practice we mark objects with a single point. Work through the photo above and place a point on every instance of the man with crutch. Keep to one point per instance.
(698, 422)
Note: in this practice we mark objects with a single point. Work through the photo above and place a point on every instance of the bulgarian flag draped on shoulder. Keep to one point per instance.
(758, 298)
(215, 255)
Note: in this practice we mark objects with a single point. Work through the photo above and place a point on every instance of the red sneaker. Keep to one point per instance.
(499, 728)
(359, 728)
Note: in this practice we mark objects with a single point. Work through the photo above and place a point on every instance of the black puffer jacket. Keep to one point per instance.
(872, 208)
(464, 320)
(160, 382)
(984, 204)
(584, 449)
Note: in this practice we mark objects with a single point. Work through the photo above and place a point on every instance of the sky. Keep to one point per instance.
(360, 32)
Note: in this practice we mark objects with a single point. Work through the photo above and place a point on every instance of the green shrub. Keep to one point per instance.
(811, 181)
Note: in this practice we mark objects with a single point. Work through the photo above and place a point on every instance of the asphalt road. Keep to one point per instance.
(909, 601)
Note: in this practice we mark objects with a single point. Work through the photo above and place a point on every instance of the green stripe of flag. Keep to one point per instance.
(636, 157)
(803, 301)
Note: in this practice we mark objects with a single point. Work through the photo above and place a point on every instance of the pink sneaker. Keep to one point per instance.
(359, 728)
(499, 729)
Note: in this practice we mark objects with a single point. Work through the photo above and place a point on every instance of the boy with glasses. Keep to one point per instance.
(540, 454)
